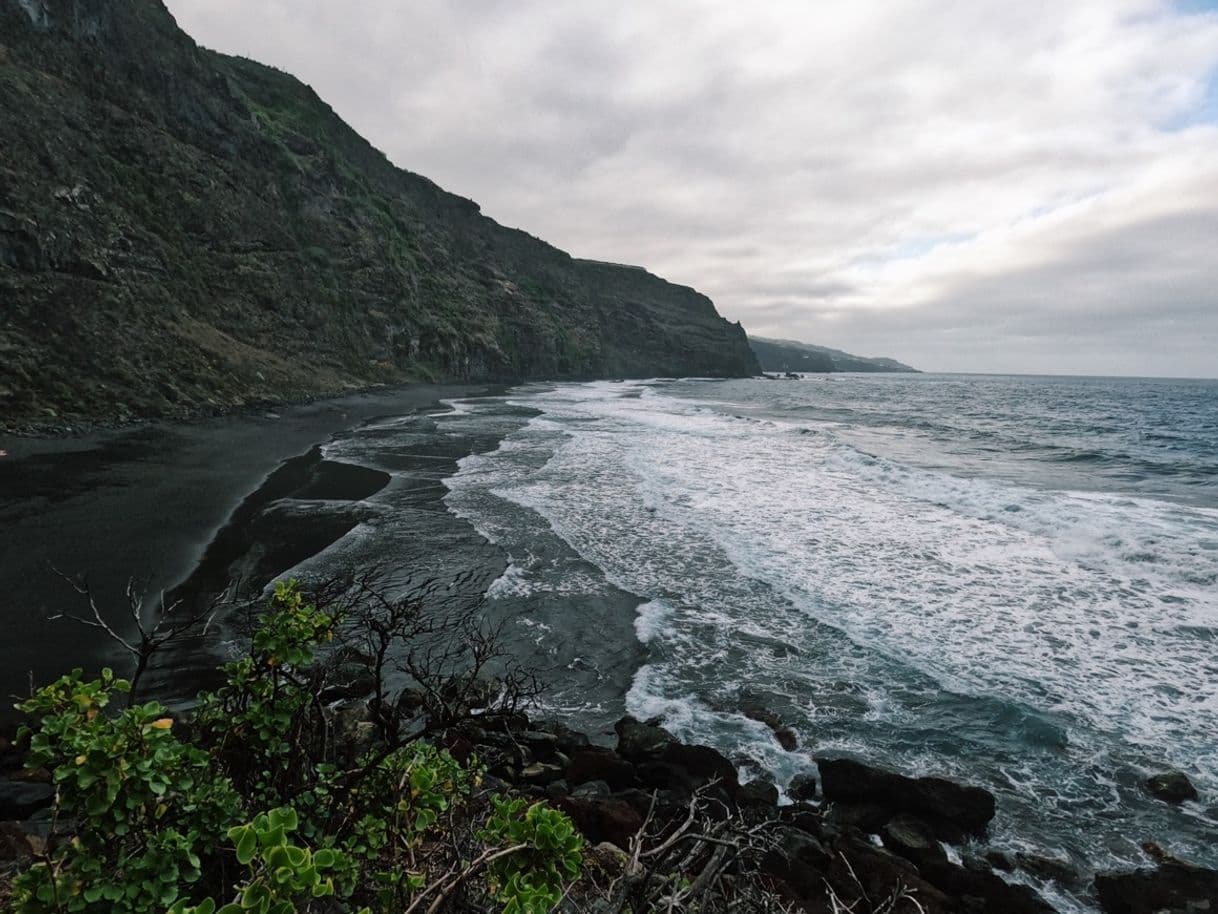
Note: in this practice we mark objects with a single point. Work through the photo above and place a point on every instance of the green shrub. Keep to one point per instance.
(530, 880)
(279, 874)
(153, 821)
(405, 797)
(150, 807)
(263, 722)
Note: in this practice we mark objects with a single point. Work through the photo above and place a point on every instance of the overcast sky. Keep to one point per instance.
(996, 186)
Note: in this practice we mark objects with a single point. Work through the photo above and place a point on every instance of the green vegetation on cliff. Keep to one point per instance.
(788, 355)
(182, 231)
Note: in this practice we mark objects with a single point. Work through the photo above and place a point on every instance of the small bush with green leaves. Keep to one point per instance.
(542, 854)
(279, 874)
(152, 821)
(405, 797)
(148, 807)
(263, 721)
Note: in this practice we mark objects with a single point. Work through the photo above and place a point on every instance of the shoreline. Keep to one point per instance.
(146, 502)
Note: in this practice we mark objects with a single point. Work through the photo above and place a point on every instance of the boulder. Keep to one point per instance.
(1050, 869)
(860, 873)
(991, 891)
(539, 741)
(803, 816)
(609, 819)
(913, 839)
(763, 715)
(798, 859)
(592, 790)
(597, 764)
(704, 764)
(21, 799)
(541, 773)
(606, 859)
(868, 818)
(348, 681)
(946, 806)
(758, 793)
(566, 740)
(782, 733)
(1170, 787)
(1000, 861)
(1171, 887)
(641, 740)
(802, 787)
(15, 844)
(660, 775)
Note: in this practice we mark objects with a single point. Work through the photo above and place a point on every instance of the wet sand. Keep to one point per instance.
(145, 503)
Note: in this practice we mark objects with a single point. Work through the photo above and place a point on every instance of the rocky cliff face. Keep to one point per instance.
(788, 355)
(184, 231)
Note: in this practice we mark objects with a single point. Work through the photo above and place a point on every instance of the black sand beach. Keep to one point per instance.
(145, 502)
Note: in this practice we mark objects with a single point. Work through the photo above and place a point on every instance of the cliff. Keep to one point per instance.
(788, 355)
(182, 231)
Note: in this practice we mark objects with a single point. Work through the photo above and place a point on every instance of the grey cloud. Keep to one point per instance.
(776, 155)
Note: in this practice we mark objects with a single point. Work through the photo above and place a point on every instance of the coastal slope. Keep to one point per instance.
(788, 355)
(185, 232)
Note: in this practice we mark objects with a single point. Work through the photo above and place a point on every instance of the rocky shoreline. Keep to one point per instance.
(855, 834)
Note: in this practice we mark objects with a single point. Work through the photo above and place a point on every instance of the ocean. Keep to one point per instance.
(1012, 581)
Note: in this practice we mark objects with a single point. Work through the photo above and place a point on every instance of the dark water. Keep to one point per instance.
(1009, 580)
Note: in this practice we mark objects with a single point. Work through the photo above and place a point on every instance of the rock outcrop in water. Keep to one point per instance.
(1171, 787)
(182, 231)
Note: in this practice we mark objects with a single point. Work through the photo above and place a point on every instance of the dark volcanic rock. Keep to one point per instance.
(566, 740)
(609, 819)
(1174, 888)
(1171, 787)
(1052, 869)
(21, 799)
(802, 787)
(639, 740)
(591, 790)
(798, 859)
(1000, 861)
(704, 765)
(868, 818)
(597, 764)
(860, 872)
(763, 715)
(541, 773)
(665, 763)
(913, 839)
(758, 793)
(943, 803)
(991, 891)
(782, 733)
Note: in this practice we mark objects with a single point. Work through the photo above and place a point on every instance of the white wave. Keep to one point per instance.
(781, 556)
